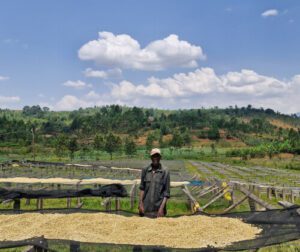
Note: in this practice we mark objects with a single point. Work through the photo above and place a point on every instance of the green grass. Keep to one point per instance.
(293, 246)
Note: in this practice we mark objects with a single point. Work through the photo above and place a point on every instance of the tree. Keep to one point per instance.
(213, 133)
(72, 146)
(149, 142)
(60, 145)
(129, 147)
(177, 140)
(112, 144)
(186, 137)
(99, 142)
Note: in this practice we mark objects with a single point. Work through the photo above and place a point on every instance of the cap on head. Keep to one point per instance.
(155, 151)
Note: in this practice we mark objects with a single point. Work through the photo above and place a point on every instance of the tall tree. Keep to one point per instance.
(177, 140)
(60, 145)
(112, 144)
(129, 147)
(149, 142)
(99, 142)
(72, 146)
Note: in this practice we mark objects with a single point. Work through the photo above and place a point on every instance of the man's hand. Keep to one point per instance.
(160, 212)
(141, 209)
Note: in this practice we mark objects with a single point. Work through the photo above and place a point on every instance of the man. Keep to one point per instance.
(154, 188)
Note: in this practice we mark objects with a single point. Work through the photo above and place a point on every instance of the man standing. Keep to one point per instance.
(154, 188)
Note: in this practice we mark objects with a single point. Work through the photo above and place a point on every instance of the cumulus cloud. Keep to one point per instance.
(202, 81)
(122, 51)
(92, 95)
(70, 102)
(9, 99)
(202, 87)
(270, 12)
(77, 84)
(3, 78)
(110, 73)
(249, 82)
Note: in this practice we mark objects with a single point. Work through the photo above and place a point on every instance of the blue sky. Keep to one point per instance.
(164, 54)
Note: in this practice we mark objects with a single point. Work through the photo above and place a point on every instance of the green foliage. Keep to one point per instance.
(248, 124)
(129, 147)
(213, 133)
(177, 140)
(113, 144)
(149, 142)
(72, 146)
(34, 111)
(60, 145)
(99, 142)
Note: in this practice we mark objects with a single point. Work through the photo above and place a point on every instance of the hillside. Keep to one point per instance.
(244, 132)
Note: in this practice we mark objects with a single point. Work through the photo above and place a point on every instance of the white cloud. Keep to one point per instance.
(203, 81)
(269, 13)
(70, 102)
(3, 78)
(9, 99)
(77, 84)
(110, 73)
(202, 87)
(249, 82)
(92, 95)
(122, 51)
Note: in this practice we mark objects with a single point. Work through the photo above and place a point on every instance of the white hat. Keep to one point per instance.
(155, 151)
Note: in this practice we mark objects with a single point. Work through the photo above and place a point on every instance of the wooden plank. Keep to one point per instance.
(194, 203)
(256, 199)
(235, 204)
(207, 190)
(222, 189)
(285, 204)
(213, 200)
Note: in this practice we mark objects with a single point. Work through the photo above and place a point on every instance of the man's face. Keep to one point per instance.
(155, 159)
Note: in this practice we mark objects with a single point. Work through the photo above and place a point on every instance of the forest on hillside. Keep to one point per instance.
(123, 129)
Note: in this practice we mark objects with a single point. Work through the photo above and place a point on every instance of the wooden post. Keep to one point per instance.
(132, 195)
(41, 203)
(269, 193)
(276, 193)
(37, 203)
(292, 196)
(284, 194)
(27, 202)
(68, 202)
(107, 204)
(74, 246)
(17, 204)
(252, 205)
(78, 198)
(117, 204)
